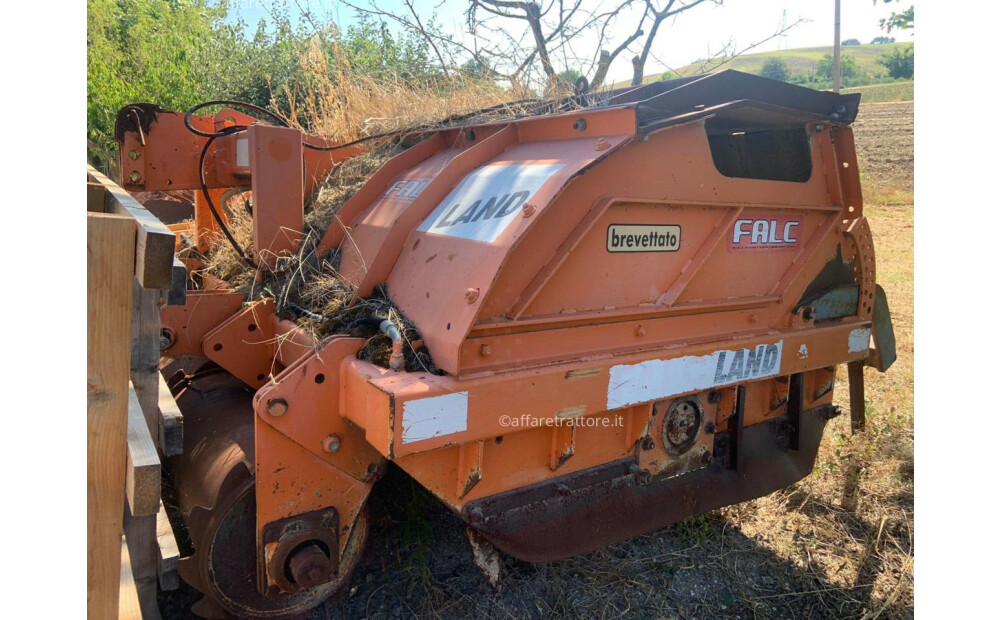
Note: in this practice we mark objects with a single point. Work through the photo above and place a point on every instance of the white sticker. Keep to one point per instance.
(631, 384)
(425, 418)
(242, 153)
(487, 200)
(857, 340)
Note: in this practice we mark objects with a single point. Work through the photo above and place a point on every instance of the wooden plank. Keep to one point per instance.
(128, 597)
(171, 422)
(109, 290)
(142, 474)
(177, 293)
(145, 351)
(154, 242)
(95, 197)
(140, 534)
(166, 568)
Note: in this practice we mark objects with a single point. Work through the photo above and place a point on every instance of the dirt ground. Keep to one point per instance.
(883, 133)
(838, 544)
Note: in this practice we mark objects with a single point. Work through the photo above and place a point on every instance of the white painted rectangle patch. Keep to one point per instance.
(487, 200)
(857, 340)
(631, 384)
(242, 153)
(435, 416)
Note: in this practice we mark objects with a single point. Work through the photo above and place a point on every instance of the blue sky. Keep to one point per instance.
(703, 30)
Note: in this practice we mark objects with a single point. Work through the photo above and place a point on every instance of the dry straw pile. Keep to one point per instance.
(390, 114)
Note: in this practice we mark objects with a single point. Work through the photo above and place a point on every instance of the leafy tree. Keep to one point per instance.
(144, 50)
(668, 75)
(775, 69)
(177, 53)
(474, 68)
(851, 42)
(899, 21)
(882, 40)
(373, 49)
(899, 63)
(567, 79)
(848, 68)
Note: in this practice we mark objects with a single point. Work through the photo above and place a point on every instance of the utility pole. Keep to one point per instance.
(836, 46)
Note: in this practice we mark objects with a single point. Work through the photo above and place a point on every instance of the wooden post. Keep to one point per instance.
(856, 386)
(110, 269)
(128, 602)
(836, 46)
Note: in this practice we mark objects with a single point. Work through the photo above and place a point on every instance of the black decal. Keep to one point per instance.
(467, 214)
(486, 212)
(513, 204)
(770, 359)
(754, 359)
(736, 370)
(443, 222)
(720, 366)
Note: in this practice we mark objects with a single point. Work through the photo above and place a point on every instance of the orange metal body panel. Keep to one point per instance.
(255, 345)
(276, 165)
(434, 272)
(202, 312)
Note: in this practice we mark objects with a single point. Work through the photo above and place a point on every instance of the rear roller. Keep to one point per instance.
(215, 493)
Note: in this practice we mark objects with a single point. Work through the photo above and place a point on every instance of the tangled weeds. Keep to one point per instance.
(308, 288)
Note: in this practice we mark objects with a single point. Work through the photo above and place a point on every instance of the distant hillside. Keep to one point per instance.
(800, 61)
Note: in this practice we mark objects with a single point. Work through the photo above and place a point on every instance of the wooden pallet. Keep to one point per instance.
(133, 421)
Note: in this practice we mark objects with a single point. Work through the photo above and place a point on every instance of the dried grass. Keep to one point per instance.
(343, 105)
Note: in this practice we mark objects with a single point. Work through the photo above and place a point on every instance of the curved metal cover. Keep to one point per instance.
(449, 262)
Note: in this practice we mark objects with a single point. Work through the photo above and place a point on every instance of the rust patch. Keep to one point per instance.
(583, 373)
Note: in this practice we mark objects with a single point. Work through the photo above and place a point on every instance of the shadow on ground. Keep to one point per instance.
(418, 565)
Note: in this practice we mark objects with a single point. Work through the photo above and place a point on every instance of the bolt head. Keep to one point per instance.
(602, 144)
(277, 407)
(133, 155)
(486, 350)
(134, 176)
(528, 210)
(471, 294)
(640, 331)
(331, 444)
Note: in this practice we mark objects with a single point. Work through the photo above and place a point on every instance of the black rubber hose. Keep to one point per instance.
(211, 206)
(373, 322)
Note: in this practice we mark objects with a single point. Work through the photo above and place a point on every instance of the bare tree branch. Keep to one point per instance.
(722, 57)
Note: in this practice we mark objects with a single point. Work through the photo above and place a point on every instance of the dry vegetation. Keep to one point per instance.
(345, 105)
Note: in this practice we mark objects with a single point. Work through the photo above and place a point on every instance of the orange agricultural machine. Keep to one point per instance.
(635, 303)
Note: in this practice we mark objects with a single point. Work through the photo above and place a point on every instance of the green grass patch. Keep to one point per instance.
(801, 62)
(882, 93)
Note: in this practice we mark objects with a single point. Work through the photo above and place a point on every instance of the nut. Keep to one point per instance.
(486, 350)
(167, 338)
(277, 407)
(528, 210)
(602, 144)
(640, 331)
(471, 294)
